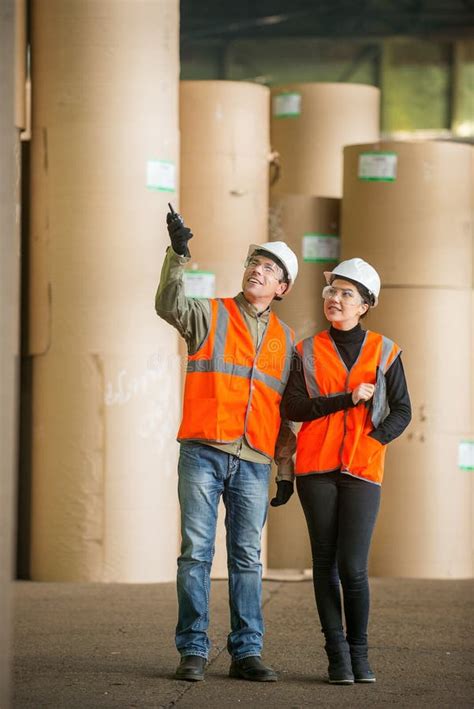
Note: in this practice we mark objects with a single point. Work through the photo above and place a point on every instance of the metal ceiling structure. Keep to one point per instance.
(266, 19)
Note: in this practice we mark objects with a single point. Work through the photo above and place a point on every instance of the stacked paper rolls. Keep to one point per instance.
(407, 209)
(311, 124)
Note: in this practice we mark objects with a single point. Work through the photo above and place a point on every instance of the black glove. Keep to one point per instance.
(179, 233)
(284, 492)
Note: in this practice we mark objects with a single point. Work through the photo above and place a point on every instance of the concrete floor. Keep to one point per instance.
(88, 645)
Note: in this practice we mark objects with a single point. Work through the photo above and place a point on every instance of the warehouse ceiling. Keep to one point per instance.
(251, 19)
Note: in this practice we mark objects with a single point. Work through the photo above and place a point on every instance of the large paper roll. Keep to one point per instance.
(106, 369)
(310, 226)
(311, 124)
(424, 528)
(224, 175)
(433, 328)
(407, 209)
(224, 196)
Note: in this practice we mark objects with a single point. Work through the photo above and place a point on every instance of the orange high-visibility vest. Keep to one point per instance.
(340, 441)
(233, 389)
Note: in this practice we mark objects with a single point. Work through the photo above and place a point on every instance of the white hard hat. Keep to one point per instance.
(355, 269)
(283, 254)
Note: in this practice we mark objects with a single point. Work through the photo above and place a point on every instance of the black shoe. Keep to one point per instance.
(340, 666)
(362, 670)
(253, 669)
(191, 668)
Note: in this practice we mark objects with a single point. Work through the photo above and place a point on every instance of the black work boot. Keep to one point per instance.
(340, 666)
(191, 668)
(253, 669)
(360, 663)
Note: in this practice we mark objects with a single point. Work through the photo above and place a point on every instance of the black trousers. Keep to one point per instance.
(340, 512)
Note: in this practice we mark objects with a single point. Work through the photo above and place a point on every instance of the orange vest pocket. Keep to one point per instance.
(201, 417)
(366, 452)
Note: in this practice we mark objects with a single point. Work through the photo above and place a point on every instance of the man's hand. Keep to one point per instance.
(363, 392)
(284, 492)
(179, 233)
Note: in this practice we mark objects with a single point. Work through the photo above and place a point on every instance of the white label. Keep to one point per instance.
(378, 167)
(286, 105)
(466, 455)
(320, 247)
(199, 284)
(161, 175)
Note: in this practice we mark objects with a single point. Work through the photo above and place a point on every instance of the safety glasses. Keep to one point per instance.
(346, 295)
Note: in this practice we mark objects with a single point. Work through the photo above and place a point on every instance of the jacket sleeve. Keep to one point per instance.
(399, 404)
(285, 450)
(297, 405)
(190, 316)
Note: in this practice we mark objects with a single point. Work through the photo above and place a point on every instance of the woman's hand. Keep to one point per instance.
(363, 392)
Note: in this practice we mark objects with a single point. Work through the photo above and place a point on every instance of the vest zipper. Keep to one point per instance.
(341, 450)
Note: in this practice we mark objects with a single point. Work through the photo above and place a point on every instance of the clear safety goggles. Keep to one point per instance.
(268, 268)
(346, 295)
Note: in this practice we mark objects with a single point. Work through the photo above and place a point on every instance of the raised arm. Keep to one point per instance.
(190, 316)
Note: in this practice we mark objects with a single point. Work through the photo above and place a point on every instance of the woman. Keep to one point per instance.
(348, 387)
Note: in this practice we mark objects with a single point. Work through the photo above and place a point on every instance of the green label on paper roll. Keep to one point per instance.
(466, 455)
(320, 248)
(376, 166)
(287, 105)
(161, 175)
(199, 284)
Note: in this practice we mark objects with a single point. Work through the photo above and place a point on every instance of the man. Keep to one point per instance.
(239, 356)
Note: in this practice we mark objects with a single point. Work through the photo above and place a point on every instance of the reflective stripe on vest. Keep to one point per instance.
(341, 440)
(241, 385)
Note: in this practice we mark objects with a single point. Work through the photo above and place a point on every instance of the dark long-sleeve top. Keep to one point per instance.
(297, 405)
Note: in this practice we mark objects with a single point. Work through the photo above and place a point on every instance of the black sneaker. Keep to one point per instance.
(191, 668)
(252, 669)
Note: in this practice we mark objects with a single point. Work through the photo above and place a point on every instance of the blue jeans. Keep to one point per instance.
(206, 474)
